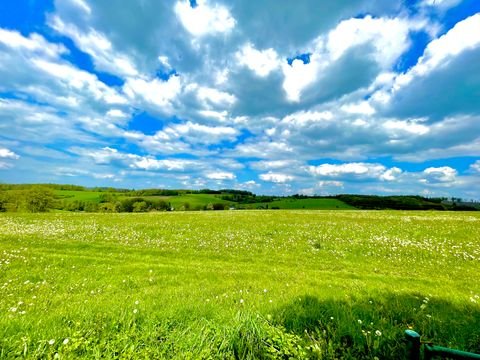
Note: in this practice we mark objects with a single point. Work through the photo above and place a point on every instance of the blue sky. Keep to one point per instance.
(316, 97)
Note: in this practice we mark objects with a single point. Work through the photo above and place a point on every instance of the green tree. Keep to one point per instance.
(3, 201)
(140, 206)
(39, 199)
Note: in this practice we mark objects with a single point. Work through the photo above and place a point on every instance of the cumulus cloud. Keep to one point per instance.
(365, 170)
(261, 62)
(391, 174)
(278, 178)
(441, 83)
(204, 18)
(98, 46)
(220, 175)
(8, 154)
(475, 166)
(444, 174)
(155, 92)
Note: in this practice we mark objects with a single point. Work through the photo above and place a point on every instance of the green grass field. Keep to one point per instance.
(311, 204)
(237, 284)
(195, 200)
(200, 200)
(73, 195)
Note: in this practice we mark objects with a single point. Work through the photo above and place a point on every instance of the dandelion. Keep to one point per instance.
(378, 333)
(65, 341)
(137, 302)
(51, 341)
(135, 311)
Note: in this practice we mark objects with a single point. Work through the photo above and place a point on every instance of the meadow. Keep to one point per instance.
(237, 284)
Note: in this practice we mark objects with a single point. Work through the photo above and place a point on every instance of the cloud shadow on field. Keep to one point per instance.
(367, 327)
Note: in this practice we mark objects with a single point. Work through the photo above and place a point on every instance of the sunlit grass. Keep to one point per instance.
(237, 284)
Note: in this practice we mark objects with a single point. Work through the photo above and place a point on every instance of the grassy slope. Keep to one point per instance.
(312, 204)
(72, 195)
(234, 283)
(200, 200)
(193, 199)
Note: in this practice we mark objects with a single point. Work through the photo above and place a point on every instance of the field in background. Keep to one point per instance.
(237, 284)
(202, 200)
(311, 204)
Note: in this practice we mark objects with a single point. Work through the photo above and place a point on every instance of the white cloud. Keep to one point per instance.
(35, 44)
(116, 113)
(82, 5)
(147, 163)
(299, 76)
(278, 178)
(444, 174)
(104, 176)
(410, 127)
(8, 154)
(475, 166)
(210, 96)
(389, 37)
(204, 19)
(365, 170)
(304, 117)
(219, 116)
(362, 108)
(98, 46)
(442, 4)
(203, 134)
(391, 174)
(463, 36)
(157, 93)
(330, 183)
(79, 80)
(220, 175)
(261, 62)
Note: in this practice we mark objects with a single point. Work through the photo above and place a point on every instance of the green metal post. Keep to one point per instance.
(432, 351)
(413, 339)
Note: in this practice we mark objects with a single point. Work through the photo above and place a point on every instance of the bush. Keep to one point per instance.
(38, 199)
(218, 206)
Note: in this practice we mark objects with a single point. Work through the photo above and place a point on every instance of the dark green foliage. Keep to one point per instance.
(38, 199)
(391, 202)
(218, 206)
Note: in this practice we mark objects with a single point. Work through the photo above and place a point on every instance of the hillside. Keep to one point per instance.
(41, 197)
